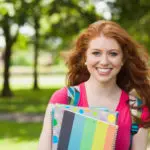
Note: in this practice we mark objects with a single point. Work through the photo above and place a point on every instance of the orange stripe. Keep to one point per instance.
(110, 138)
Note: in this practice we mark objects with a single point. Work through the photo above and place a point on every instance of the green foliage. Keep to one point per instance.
(66, 19)
(57, 19)
(21, 43)
(3, 9)
(134, 16)
(22, 59)
(73, 17)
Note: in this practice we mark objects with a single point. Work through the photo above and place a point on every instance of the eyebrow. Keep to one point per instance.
(105, 50)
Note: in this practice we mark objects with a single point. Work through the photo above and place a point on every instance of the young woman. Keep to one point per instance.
(107, 65)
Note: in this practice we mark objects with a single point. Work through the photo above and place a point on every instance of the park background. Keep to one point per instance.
(35, 38)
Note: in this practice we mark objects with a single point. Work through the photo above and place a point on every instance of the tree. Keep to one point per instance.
(134, 15)
(72, 16)
(10, 22)
(64, 19)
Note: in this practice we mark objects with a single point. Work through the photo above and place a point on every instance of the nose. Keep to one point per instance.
(104, 60)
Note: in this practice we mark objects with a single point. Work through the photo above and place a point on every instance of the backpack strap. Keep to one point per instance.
(73, 93)
(134, 102)
(135, 113)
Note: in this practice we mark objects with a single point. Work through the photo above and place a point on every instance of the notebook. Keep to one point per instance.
(80, 132)
(109, 117)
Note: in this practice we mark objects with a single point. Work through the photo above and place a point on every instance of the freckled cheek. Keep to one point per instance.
(91, 60)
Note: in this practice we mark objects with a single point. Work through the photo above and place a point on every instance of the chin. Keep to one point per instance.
(104, 79)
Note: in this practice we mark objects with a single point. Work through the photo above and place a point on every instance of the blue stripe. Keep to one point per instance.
(76, 98)
(71, 91)
(74, 94)
(76, 133)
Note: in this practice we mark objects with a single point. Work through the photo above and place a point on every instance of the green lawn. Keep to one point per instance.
(27, 101)
(19, 136)
(24, 136)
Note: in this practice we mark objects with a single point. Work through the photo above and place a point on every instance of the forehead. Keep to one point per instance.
(104, 43)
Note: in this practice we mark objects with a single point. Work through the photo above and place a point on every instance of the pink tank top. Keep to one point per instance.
(124, 118)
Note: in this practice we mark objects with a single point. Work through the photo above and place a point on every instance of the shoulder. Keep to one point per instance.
(67, 93)
(59, 96)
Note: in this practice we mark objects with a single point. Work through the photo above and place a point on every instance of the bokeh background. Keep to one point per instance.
(35, 38)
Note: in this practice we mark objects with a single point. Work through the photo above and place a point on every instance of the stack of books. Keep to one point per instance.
(79, 128)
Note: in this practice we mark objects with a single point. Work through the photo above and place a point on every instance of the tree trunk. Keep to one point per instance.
(36, 47)
(6, 91)
(35, 74)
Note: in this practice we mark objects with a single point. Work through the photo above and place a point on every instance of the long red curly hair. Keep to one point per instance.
(135, 71)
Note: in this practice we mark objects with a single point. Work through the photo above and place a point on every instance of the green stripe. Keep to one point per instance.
(88, 134)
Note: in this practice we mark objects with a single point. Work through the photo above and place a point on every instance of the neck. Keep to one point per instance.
(103, 89)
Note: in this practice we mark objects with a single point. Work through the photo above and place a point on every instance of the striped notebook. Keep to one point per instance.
(82, 119)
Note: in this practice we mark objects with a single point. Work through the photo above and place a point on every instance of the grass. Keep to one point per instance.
(19, 136)
(24, 136)
(20, 131)
(27, 101)
(9, 144)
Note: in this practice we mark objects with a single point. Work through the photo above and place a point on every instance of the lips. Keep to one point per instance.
(104, 71)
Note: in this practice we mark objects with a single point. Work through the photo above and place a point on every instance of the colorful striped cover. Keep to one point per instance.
(76, 128)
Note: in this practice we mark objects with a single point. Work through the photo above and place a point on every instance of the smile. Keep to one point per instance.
(104, 71)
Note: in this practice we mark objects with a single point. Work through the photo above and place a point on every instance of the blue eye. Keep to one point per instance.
(113, 53)
(96, 53)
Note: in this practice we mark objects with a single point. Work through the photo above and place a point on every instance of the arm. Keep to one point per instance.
(45, 137)
(140, 140)
(59, 96)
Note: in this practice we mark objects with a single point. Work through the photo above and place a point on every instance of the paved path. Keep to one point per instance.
(20, 117)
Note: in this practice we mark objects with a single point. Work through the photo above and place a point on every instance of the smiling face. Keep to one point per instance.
(104, 59)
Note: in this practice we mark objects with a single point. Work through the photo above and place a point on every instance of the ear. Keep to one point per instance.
(122, 63)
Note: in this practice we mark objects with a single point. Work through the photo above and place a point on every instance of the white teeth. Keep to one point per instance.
(103, 70)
